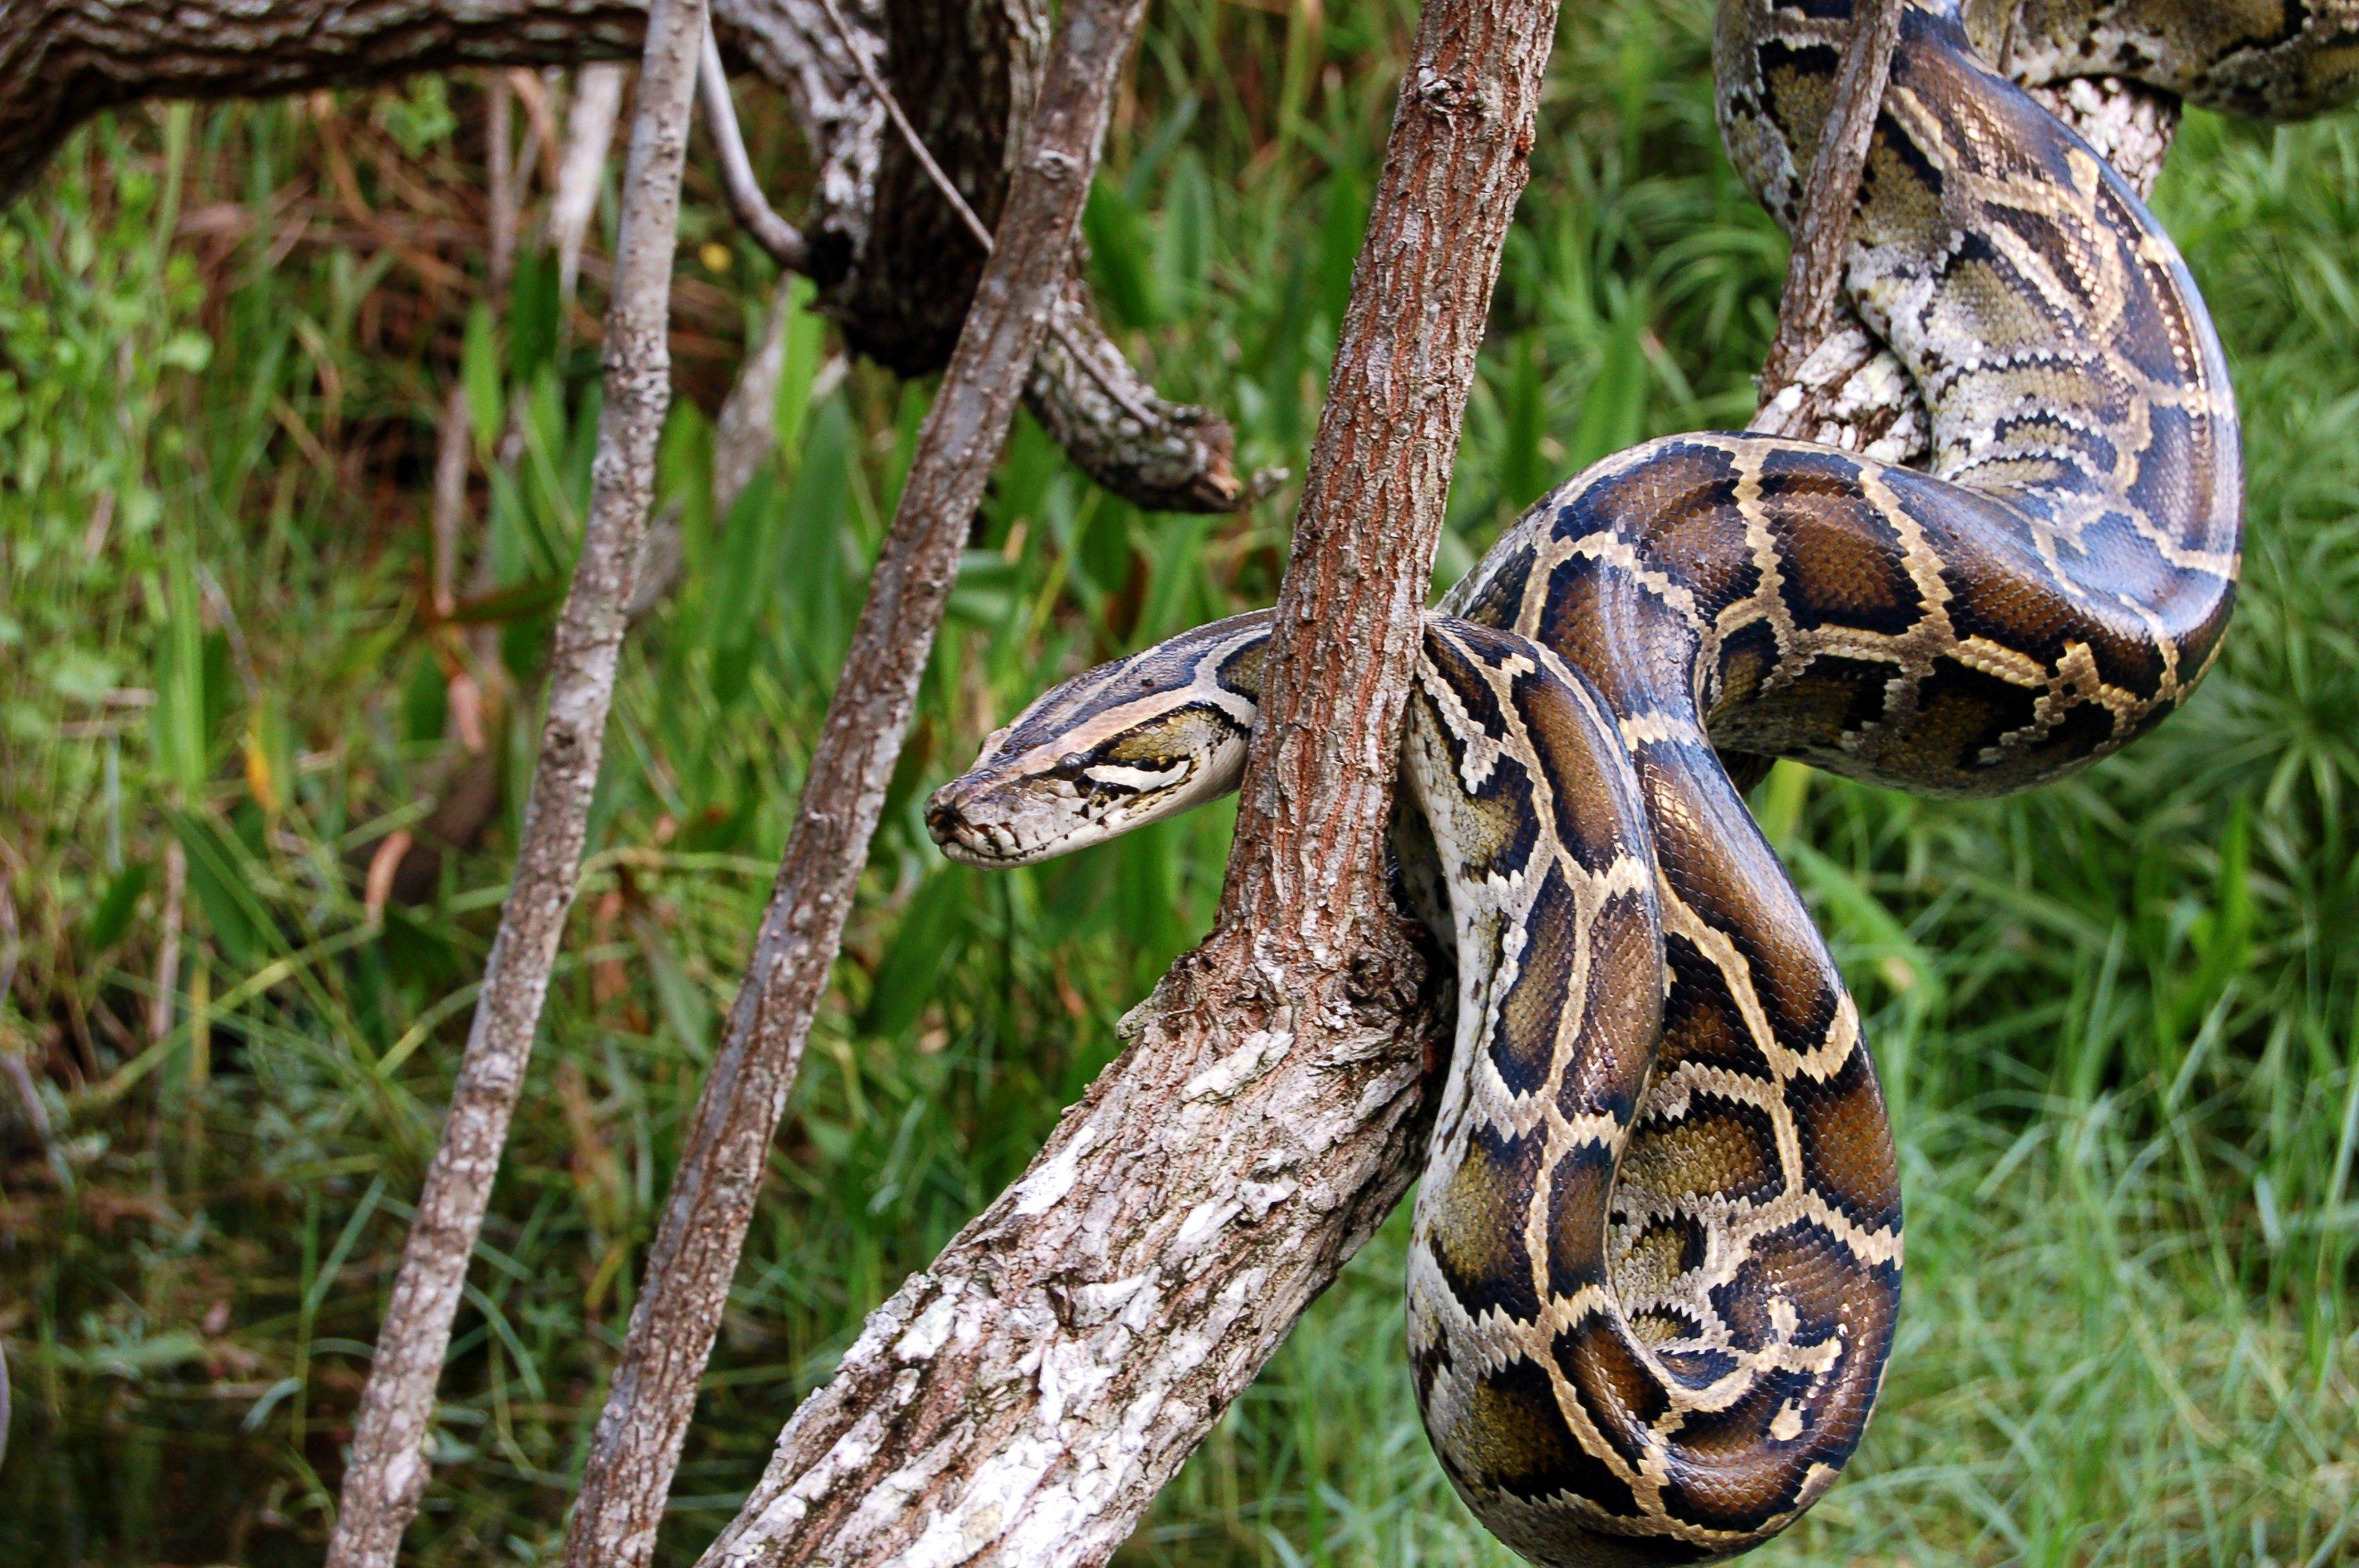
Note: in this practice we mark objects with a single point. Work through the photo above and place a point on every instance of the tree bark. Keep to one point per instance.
(636, 1445)
(386, 1472)
(1812, 300)
(896, 273)
(1023, 1400)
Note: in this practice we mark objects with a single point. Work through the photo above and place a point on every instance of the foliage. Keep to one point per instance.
(2116, 1017)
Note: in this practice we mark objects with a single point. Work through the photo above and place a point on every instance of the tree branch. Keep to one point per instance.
(1814, 272)
(637, 1442)
(386, 1472)
(1022, 1399)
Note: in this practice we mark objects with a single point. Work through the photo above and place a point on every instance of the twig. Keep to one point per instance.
(532, 92)
(1023, 1399)
(637, 1445)
(1808, 309)
(168, 945)
(453, 433)
(506, 192)
(589, 131)
(781, 239)
(387, 1470)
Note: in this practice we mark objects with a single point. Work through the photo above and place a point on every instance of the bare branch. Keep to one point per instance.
(589, 131)
(386, 1471)
(452, 435)
(781, 239)
(1022, 1399)
(506, 190)
(1808, 311)
(637, 1442)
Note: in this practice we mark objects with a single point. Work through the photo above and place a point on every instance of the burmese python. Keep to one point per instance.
(1655, 1257)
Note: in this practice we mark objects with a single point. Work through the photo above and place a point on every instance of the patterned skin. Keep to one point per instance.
(1655, 1266)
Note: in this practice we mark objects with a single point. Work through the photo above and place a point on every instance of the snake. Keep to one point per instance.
(1655, 1260)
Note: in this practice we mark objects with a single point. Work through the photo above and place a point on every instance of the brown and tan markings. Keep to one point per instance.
(1656, 1259)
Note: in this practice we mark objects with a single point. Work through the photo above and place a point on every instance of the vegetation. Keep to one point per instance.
(2118, 1019)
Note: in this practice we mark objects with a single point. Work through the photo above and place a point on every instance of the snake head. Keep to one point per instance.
(1113, 748)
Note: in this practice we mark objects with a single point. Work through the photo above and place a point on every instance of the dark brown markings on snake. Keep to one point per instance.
(1962, 714)
(1719, 1150)
(1748, 657)
(1701, 1020)
(1620, 1016)
(1634, 645)
(1799, 1285)
(1842, 560)
(1523, 1044)
(1727, 1477)
(1593, 823)
(1700, 544)
(1516, 1442)
(1478, 1230)
(1715, 858)
(1847, 1146)
(1831, 696)
(1620, 1394)
(1576, 1218)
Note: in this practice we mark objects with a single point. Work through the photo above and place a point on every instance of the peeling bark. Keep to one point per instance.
(1022, 1401)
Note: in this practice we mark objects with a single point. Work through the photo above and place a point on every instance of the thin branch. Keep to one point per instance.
(637, 1442)
(781, 239)
(589, 131)
(1023, 1399)
(453, 436)
(167, 984)
(386, 1471)
(1807, 312)
(506, 192)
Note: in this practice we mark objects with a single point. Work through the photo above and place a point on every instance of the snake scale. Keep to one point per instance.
(1655, 1257)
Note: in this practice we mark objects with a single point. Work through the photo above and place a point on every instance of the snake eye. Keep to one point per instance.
(1071, 762)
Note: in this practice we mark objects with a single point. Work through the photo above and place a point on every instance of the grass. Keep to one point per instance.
(2118, 1018)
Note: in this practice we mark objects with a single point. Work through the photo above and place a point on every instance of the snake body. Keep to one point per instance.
(1655, 1265)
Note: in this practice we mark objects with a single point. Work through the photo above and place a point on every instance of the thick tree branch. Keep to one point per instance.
(386, 1471)
(637, 1442)
(1023, 1400)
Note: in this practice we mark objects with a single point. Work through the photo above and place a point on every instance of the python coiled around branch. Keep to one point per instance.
(1655, 1266)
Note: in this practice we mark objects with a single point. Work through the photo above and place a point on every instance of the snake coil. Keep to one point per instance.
(1655, 1264)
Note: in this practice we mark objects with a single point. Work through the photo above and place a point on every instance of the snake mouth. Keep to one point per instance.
(978, 825)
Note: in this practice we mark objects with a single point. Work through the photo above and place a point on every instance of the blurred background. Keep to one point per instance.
(2117, 1019)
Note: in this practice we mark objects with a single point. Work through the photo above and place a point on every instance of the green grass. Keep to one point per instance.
(2118, 1019)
